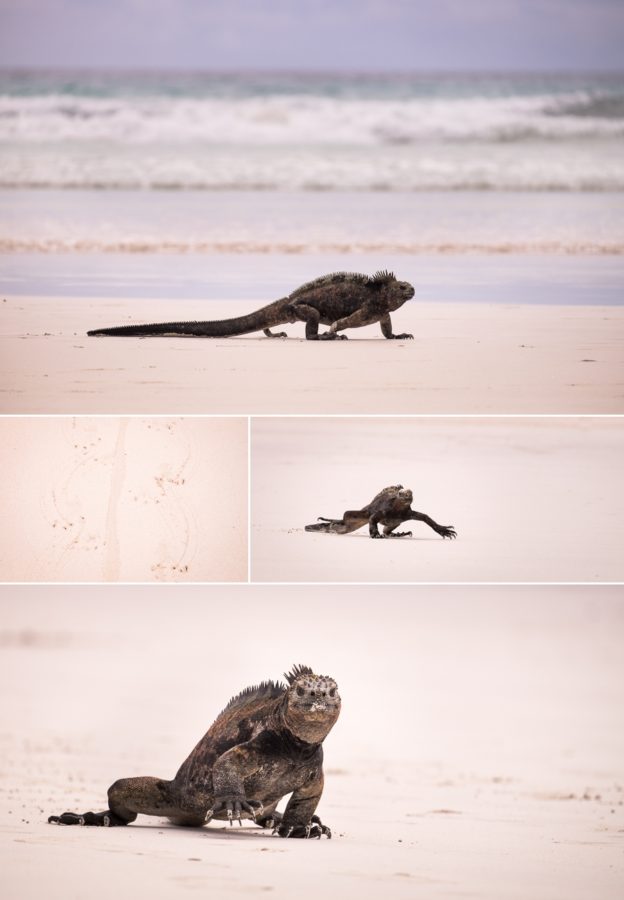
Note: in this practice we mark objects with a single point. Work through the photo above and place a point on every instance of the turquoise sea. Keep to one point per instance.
(245, 185)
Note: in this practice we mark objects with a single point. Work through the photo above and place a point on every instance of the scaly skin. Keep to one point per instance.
(341, 300)
(389, 508)
(265, 744)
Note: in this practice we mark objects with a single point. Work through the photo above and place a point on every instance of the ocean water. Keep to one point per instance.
(338, 166)
(312, 133)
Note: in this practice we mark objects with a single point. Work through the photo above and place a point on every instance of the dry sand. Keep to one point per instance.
(466, 358)
(479, 752)
(123, 499)
(532, 499)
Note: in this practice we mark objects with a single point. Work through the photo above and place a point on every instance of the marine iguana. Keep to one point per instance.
(341, 300)
(390, 507)
(266, 743)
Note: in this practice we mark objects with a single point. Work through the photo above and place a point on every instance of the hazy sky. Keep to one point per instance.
(314, 34)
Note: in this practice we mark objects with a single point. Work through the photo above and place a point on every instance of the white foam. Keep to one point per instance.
(295, 119)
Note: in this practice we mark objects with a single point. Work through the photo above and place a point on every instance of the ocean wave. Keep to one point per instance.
(381, 173)
(147, 245)
(311, 120)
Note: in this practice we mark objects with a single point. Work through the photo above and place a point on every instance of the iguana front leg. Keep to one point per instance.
(228, 781)
(445, 531)
(386, 330)
(299, 820)
(361, 317)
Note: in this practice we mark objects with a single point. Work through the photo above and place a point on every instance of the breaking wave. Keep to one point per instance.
(311, 133)
(302, 119)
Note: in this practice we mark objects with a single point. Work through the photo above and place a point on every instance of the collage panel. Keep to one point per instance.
(129, 499)
(473, 742)
(502, 499)
(184, 333)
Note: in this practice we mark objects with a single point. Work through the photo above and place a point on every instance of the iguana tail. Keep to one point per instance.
(326, 525)
(266, 317)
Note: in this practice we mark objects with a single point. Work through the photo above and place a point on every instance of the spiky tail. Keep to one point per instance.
(266, 317)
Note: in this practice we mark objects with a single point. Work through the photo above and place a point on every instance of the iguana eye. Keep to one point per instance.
(300, 692)
(332, 693)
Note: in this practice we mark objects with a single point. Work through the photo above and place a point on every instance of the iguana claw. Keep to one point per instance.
(234, 808)
(314, 829)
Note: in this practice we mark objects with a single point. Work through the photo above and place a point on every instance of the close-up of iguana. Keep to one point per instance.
(390, 507)
(341, 300)
(265, 744)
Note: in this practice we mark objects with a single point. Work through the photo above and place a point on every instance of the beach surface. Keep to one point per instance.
(465, 358)
(532, 499)
(123, 499)
(479, 751)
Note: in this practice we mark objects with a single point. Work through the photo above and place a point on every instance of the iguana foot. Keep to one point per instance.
(399, 534)
(332, 336)
(271, 821)
(402, 337)
(106, 818)
(275, 334)
(447, 531)
(376, 534)
(234, 808)
(314, 829)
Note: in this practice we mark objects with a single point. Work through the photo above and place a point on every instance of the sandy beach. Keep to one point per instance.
(123, 499)
(479, 751)
(532, 499)
(465, 358)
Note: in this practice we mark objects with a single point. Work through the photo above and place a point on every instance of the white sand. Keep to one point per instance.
(466, 358)
(537, 499)
(479, 752)
(123, 499)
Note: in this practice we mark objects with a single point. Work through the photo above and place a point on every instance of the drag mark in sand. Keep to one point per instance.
(110, 567)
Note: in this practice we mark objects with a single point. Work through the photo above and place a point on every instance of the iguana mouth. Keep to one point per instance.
(319, 706)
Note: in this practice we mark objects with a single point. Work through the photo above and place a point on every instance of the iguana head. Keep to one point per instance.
(311, 704)
(399, 293)
(395, 293)
(405, 494)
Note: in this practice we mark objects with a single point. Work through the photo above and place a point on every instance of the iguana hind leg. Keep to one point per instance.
(351, 521)
(274, 334)
(311, 317)
(130, 797)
